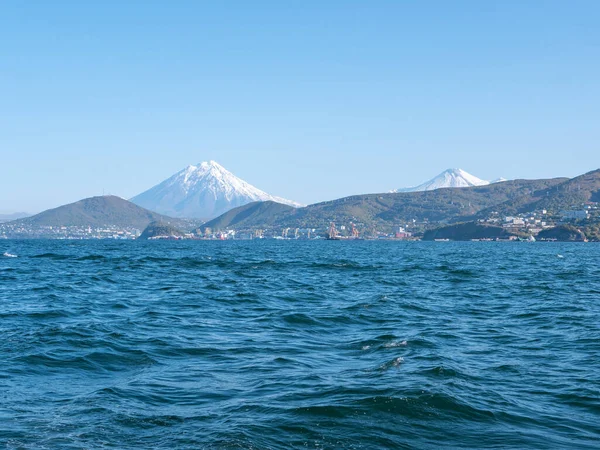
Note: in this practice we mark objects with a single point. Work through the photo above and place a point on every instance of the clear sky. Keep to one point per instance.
(309, 100)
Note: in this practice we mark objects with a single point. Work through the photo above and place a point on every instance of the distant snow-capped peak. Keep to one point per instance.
(451, 178)
(205, 190)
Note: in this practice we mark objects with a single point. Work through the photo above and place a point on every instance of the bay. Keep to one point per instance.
(299, 344)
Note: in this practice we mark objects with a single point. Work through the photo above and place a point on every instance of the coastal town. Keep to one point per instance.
(529, 224)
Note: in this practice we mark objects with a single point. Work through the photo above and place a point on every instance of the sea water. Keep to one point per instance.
(299, 344)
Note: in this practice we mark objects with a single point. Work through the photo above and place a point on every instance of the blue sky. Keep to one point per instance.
(308, 100)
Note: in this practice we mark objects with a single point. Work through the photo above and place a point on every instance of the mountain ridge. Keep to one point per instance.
(442, 206)
(389, 209)
(9, 217)
(580, 189)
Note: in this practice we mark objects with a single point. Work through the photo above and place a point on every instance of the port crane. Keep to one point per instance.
(354, 230)
(333, 232)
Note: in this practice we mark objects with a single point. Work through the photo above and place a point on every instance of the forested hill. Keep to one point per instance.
(442, 205)
(578, 190)
(107, 210)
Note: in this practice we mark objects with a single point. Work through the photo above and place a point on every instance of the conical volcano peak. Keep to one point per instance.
(450, 178)
(210, 165)
(204, 190)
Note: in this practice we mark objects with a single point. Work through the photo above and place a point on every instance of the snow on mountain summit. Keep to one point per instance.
(205, 190)
(451, 178)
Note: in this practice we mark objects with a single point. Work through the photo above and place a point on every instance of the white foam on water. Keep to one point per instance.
(399, 360)
(9, 255)
(395, 344)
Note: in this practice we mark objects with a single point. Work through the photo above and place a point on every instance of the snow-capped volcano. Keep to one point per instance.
(205, 191)
(451, 178)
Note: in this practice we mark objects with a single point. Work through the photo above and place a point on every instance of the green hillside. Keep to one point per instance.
(262, 213)
(563, 233)
(97, 212)
(561, 196)
(385, 210)
(160, 229)
(451, 205)
(371, 211)
(468, 231)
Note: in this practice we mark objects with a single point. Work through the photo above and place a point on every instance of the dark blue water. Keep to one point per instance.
(299, 345)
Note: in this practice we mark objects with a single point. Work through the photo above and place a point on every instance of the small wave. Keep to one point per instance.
(51, 256)
(441, 371)
(428, 405)
(49, 314)
(383, 341)
(150, 421)
(9, 255)
(396, 362)
(91, 258)
(299, 319)
(343, 265)
(325, 411)
(152, 259)
(458, 271)
(395, 344)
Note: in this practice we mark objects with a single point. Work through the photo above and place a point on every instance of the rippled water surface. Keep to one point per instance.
(293, 344)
